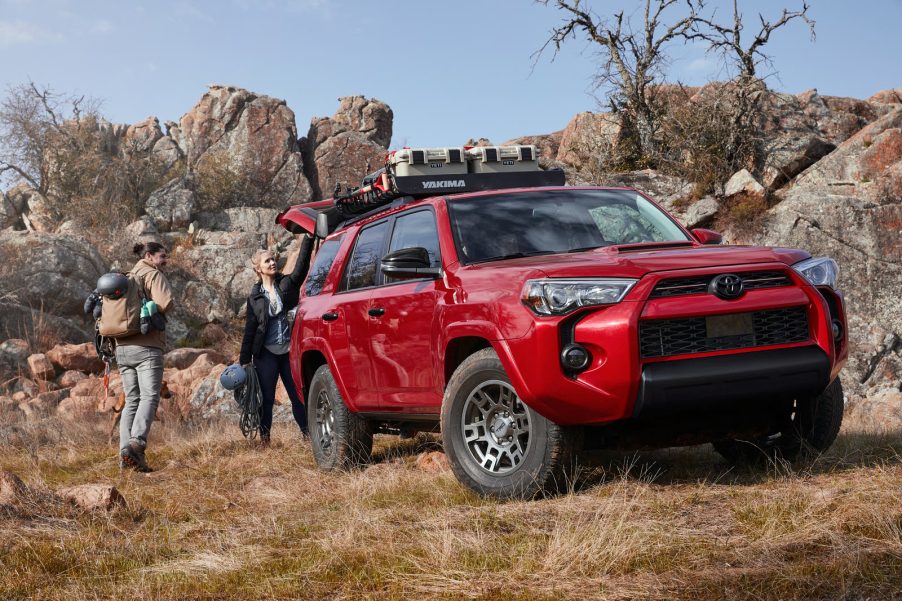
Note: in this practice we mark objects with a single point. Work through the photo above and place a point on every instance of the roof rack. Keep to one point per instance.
(409, 174)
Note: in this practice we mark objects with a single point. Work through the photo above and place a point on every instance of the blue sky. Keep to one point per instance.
(449, 70)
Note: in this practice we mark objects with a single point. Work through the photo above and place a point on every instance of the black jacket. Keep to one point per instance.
(257, 307)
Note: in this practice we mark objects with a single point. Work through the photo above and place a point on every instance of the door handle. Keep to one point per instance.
(330, 316)
(376, 312)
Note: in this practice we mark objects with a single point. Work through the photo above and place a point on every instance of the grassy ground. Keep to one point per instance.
(222, 519)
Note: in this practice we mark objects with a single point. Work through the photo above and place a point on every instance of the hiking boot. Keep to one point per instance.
(265, 442)
(133, 457)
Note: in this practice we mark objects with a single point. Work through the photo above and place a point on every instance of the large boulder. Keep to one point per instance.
(837, 118)
(141, 137)
(13, 358)
(369, 117)
(743, 182)
(38, 214)
(255, 135)
(589, 141)
(209, 399)
(40, 367)
(343, 148)
(891, 96)
(184, 358)
(171, 205)
(50, 272)
(78, 357)
(18, 321)
(793, 140)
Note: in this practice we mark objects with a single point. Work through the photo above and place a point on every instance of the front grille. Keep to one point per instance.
(751, 280)
(668, 337)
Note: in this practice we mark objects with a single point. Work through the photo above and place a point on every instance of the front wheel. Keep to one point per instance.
(809, 425)
(496, 445)
(340, 438)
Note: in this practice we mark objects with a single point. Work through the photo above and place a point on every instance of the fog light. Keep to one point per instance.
(574, 357)
(837, 330)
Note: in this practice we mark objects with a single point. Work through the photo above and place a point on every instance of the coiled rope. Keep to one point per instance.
(250, 399)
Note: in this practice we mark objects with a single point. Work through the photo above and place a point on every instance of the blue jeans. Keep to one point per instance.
(269, 367)
(141, 368)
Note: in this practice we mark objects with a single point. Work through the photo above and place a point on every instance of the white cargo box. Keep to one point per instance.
(497, 159)
(428, 161)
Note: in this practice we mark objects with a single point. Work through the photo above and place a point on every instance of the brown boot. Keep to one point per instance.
(132, 456)
(265, 442)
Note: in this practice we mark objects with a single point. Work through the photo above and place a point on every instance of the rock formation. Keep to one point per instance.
(352, 142)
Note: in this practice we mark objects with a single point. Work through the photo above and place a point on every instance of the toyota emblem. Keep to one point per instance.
(726, 286)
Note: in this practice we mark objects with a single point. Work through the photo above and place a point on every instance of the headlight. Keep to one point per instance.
(559, 297)
(820, 271)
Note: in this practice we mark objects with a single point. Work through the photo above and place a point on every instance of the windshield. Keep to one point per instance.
(506, 226)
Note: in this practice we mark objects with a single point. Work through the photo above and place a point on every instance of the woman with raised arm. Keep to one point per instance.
(267, 332)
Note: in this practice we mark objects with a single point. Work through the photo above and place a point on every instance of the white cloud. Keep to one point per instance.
(102, 26)
(15, 33)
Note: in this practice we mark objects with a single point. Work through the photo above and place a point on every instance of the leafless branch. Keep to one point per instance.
(631, 57)
(728, 39)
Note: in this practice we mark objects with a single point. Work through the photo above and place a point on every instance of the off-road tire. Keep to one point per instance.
(346, 441)
(810, 427)
(548, 463)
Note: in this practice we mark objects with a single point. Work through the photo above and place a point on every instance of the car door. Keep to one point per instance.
(349, 334)
(310, 330)
(402, 324)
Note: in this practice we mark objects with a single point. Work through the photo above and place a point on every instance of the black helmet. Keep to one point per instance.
(113, 285)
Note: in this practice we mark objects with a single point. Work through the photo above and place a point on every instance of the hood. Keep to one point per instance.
(623, 261)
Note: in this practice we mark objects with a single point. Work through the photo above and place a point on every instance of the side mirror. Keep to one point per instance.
(409, 262)
(706, 236)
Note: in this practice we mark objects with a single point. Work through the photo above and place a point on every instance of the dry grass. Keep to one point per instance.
(225, 520)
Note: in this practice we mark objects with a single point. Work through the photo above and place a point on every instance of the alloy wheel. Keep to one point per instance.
(496, 427)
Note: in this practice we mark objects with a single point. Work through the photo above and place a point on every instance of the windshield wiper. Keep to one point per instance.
(585, 248)
(518, 255)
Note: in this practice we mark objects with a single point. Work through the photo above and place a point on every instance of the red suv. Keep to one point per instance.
(530, 323)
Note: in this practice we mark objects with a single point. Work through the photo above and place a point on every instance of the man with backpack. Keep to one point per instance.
(137, 326)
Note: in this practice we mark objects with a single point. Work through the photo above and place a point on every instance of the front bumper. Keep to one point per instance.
(620, 383)
(729, 382)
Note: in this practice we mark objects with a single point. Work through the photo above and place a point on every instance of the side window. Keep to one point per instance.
(362, 267)
(417, 229)
(322, 263)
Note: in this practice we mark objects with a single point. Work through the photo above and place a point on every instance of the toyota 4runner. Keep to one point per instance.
(530, 321)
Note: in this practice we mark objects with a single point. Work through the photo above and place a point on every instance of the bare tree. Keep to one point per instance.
(745, 56)
(38, 126)
(632, 58)
(86, 169)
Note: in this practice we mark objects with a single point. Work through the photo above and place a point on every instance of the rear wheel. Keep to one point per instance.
(340, 438)
(808, 425)
(496, 444)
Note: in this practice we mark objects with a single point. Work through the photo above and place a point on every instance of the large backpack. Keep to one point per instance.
(121, 317)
